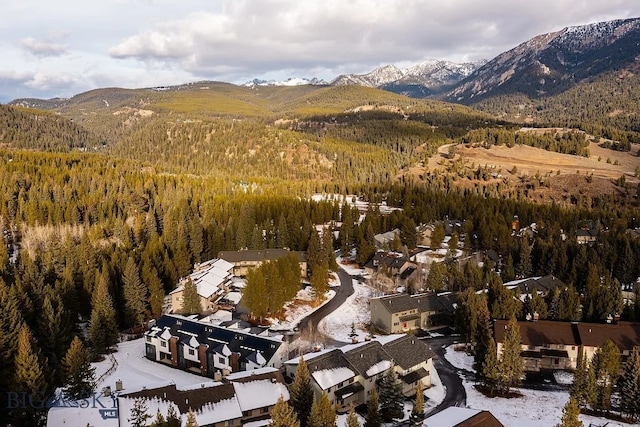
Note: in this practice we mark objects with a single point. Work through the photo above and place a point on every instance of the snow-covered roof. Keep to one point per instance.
(217, 412)
(244, 374)
(450, 417)
(208, 277)
(327, 378)
(81, 416)
(381, 366)
(125, 405)
(259, 394)
(234, 297)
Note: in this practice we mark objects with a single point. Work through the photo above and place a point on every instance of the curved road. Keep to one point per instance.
(449, 376)
(343, 292)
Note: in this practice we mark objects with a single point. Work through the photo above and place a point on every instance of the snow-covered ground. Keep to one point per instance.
(535, 408)
(294, 313)
(354, 311)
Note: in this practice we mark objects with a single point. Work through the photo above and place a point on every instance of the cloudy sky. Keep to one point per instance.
(64, 47)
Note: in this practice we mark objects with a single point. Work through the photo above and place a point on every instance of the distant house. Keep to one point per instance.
(455, 416)
(211, 350)
(542, 285)
(245, 260)
(212, 279)
(350, 373)
(551, 345)
(586, 236)
(236, 401)
(402, 313)
(399, 268)
(384, 240)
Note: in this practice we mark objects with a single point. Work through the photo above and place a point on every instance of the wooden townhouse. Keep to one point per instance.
(555, 345)
(211, 350)
(237, 400)
(246, 259)
(349, 374)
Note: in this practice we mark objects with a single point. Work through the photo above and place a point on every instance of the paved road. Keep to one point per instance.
(342, 293)
(449, 375)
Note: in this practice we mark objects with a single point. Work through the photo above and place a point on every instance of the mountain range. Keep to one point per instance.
(543, 66)
(552, 63)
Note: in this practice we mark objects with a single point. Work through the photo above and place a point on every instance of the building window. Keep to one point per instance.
(264, 410)
(148, 338)
(221, 360)
(191, 352)
(163, 343)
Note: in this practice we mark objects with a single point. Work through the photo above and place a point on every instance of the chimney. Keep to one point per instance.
(616, 318)
(536, 316)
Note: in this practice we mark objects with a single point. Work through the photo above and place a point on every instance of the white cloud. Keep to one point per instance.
(138, 43)
(41, 48)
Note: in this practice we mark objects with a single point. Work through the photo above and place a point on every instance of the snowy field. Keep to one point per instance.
(534, 409)
(295, 313)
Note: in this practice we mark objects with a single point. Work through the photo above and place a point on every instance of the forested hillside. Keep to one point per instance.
(605, 106)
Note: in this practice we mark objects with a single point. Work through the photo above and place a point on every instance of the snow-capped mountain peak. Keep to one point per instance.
(291, 81)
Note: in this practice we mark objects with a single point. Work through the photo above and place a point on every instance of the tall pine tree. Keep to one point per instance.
(139, 415)
(78, 373)
(135, 294)
(103, 328)
(373, 418)
(352, 418)
(510, 365)
(322, 413)
(301, 393)
(190, 299)
(283, 415)
(391, 398)
(29, 378)
(629, 386)
(570, 414)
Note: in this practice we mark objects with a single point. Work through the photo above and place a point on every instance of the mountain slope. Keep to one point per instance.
(418, 81)
(551, 63)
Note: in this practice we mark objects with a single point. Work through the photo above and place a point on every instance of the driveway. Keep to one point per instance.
(342, 293)
(449, 375)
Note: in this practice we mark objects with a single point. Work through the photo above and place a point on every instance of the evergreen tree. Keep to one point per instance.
(283, 415)
(417, 413)
(345, 237)
(29, 378)
(322, 413)
(191, 419)
(391, 398)
(483, 337)
(319, 279)
(373, 418)
(437, 236)
(629, 386)
(489, 374)
(523, 268)
(173, 420)
(365, 244)
(570, 414)
(352, 418)
(190, 299)
(606, 366)
(78, 373)
(135, 294)
(103, 329)
(301, 393)
(510, 365)
(436, 277)
(579, 387)
(10, 325)
(139, 414)
(159, 421)
(156, 294)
